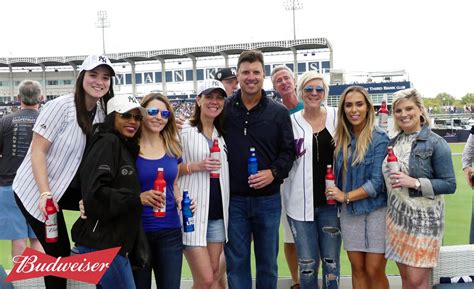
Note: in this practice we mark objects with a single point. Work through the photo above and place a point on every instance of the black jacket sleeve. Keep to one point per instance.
(284, 161)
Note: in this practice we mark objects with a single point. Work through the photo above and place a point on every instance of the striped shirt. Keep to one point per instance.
(195, 149)
(57, 122)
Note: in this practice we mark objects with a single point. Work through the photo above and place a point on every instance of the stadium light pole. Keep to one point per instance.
(102, 22)
(293, 5)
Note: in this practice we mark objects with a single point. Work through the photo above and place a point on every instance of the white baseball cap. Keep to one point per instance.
(123, 104)
(209, 86)
(92, 61)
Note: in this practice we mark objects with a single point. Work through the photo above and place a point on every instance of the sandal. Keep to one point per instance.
(295, 286)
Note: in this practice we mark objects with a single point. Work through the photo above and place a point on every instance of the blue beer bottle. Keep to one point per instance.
(188, 219)
(252, 162)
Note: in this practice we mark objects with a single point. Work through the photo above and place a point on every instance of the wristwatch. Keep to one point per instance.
(417, 185)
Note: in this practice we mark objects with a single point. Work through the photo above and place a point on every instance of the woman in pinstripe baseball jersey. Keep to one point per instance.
(59, 140)
(204, 246)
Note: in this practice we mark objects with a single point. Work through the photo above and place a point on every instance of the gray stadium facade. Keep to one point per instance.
(58, 73)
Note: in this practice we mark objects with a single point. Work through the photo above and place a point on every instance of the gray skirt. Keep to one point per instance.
(363, 233)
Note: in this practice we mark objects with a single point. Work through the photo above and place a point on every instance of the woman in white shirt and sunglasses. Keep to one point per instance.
(314, 222)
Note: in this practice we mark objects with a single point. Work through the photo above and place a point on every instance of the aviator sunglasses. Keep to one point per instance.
(310, 88)
(153, 111)
(128, 115)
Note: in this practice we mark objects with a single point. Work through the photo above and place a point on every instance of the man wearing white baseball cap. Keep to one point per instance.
(111, 191)
(59, 140)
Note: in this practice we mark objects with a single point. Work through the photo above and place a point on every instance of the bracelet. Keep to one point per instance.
(188, 168)
(347, 200)
(48, 194)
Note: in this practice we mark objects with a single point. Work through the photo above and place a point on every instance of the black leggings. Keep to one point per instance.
(62, 248)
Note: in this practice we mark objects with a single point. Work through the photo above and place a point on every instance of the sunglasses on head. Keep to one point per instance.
(128, 115)
(310, 88)
(153, 111)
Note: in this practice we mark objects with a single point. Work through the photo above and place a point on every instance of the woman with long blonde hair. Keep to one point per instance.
(360, 150)
(160, 148)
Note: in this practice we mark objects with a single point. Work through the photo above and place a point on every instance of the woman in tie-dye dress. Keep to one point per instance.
(415, 214)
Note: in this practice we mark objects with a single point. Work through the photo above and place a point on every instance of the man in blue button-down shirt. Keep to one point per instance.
(255, 120)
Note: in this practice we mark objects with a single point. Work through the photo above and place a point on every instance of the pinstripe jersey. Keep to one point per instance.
(57, 122)
(196, 149)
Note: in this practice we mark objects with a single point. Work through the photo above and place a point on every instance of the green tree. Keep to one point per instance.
(434, 103)
(445, 98)
(468, 99)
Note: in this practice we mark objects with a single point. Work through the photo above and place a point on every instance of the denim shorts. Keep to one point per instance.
(215, 231)
(13, 224)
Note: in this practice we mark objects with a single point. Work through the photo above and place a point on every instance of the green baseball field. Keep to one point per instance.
(458, 215)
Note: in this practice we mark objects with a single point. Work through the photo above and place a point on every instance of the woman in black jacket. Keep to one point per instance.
(111, 191)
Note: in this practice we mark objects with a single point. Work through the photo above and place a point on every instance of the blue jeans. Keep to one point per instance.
(318, 239)
(166, 260)
(257, 218)
(119, 275)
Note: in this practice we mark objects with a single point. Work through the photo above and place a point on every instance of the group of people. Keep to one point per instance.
(94, 151)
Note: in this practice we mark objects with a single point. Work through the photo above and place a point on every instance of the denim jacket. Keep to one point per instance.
(366, 174)
(431, 163)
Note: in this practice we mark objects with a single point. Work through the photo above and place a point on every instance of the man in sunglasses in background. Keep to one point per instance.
(254, 120)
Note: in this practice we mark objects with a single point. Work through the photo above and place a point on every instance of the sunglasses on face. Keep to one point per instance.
(153, 111)
(310, 88)
(128, 115)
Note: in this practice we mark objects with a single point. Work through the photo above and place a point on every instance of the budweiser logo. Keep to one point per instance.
(87, 268)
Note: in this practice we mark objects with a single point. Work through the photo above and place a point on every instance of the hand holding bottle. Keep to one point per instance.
(42, 202)
(179, 204)
(261, 179)
(401, 180)
(334, 193)
(152, 198)
(209, 164)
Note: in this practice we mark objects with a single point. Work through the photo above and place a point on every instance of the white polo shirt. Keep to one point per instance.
(57, 122)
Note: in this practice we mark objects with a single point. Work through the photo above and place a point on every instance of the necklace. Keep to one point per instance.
(319, 124)
(317, 145)
(316, 134)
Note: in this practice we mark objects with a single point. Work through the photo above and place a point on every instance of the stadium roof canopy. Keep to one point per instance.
(177, 53)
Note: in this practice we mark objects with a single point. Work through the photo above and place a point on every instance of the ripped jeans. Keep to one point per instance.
(317, 239)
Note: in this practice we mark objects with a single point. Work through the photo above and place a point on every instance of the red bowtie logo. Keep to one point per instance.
(87, 268)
